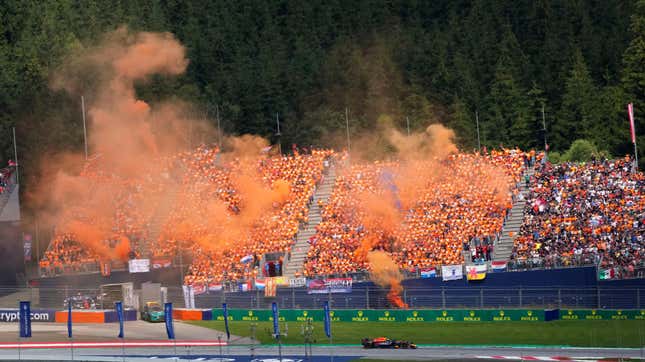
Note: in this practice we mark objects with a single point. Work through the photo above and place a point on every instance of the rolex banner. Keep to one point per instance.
(364, 315)
(423, 315)
(601, 314)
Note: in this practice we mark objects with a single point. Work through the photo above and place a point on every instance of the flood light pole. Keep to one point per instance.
(84, 126)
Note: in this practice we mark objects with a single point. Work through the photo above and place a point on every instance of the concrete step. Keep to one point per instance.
(301, 248)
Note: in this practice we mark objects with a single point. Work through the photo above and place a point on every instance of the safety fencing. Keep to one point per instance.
(367, 297)
(361, 296)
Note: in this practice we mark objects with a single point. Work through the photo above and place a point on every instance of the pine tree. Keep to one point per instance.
(462, 121)
(508, 113)
(579, 111)
(633, 76)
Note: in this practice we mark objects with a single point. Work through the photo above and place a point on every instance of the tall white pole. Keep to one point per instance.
(15, 155)
(277, 121)
(84, 126)
(219, 129)
(546, 145)
(633, 129)
(479, 145)
(349, 146)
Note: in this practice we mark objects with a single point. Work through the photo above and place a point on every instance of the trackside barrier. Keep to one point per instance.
(37, 315)
(601, 314)
(448, 315)
(95, 316)
(115, 344)
(192, 314)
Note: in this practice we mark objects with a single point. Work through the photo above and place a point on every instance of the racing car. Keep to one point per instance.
(384, 342)
(152, 312)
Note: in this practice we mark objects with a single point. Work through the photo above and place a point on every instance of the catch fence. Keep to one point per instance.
(365, 297)
(361, 297)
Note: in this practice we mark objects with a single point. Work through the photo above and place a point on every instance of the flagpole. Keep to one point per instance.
(84, 126)
(15, 155)
(632, 129)
(479, 145)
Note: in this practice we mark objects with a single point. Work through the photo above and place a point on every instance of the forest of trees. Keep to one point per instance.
(443, 61)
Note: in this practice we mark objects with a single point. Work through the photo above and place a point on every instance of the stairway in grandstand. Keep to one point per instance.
(504, 247)
(301, 247)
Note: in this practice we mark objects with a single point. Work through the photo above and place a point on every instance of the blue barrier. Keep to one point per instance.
(37, 315)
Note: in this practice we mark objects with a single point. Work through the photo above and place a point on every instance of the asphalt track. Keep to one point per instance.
(320, 354)
(241, 349)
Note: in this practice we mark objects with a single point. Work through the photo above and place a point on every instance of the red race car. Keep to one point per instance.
(384, 342)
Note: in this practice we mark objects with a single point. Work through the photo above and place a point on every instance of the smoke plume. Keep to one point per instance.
(429, 169)
(385, 273)
(134, 146)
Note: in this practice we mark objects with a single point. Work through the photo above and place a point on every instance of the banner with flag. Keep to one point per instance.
(69, 319)
(270, 287)
(246, 259)
(476, 272)
(276, 318)
(225, 313)
(499, 266)
(214, 287)
(327, 319)
(429, 273)
(199, 288)
(259, 284)
(167, 316)
(25, 319)
(605, 274)
(119, 314)
(245, 286)
(159, 262)
(106, 268)
(452, 272)
(632, 128)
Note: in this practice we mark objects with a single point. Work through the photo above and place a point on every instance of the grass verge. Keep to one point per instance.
(615, 333)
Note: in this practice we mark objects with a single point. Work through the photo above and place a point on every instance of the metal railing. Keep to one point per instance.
(365, 297)
(361, 297)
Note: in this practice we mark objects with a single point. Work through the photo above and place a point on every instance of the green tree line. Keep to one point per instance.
(418, 62)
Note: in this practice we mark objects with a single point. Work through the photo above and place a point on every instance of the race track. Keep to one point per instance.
(320, 354)
(101, 344)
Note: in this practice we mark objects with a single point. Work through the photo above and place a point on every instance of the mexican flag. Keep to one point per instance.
(606, 274)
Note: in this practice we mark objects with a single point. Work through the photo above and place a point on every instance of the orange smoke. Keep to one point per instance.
(385, 273)
(93, 238)
(126, 138)
(429, 168)
(379, 217)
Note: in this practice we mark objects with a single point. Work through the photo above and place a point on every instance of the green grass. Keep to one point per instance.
(618, 333)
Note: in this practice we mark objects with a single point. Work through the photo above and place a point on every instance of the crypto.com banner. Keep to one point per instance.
(37, 315)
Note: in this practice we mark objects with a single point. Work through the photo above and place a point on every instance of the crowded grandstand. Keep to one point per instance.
(575, 214)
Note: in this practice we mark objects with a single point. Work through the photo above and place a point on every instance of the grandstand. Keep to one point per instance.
(11, 237)
(529, 213)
